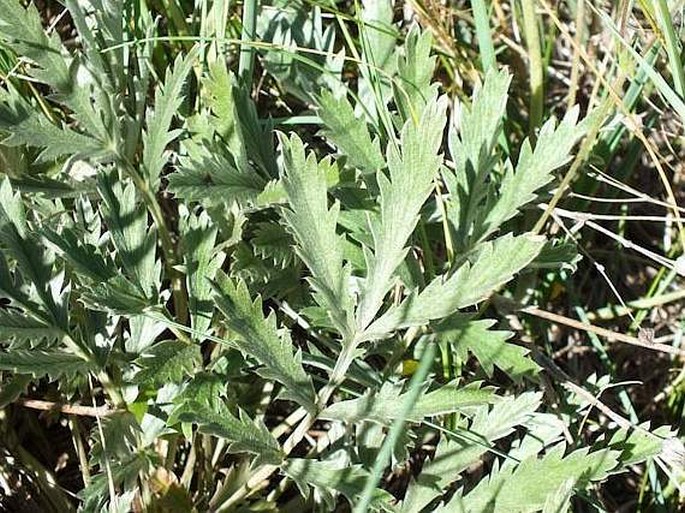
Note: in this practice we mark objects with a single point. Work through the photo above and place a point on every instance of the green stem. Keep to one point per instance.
(390, 441)
(262, 473)
(247, 52)
(530, 28)
(171, 259)
(482, 20)
(663, 16)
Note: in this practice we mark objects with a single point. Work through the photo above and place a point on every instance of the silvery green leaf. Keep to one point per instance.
(202, 262)
(313, 225)
(135, 242)
(472, 141)
(490, 347)
(533, 170)
(158, 132)
(327, 477)
(45, 296)
(454, 455)
(349, 134)
(413, 86)
(210, 175)
(168, 361)
(38, 363)
(22, 30)
(384, 406)
(257, 336)
(412, 169)
(243, 433)
(495, 263)
(524, 488)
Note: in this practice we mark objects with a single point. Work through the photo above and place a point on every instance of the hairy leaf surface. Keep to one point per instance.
(454, 455)
(167, 362)
(257, 336)
(384, 406)
(402, 194)
(245, 434)
(495, 263)
(313, 225)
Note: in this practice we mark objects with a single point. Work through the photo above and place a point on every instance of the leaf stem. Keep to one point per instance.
(171, 259)
(393, 436)
(262, 473)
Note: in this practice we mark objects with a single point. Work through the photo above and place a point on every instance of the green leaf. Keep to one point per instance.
(126, 218)
(158, 133)
(211, 176)
(245, 434)
(39, 363)
(378, 35)
(257, 336)
(204, 388)
(26, 126)
(525, 488)
(495, 263)
(202, 263)
(220, 88)
(34, 262)
(559, 501)
(121, 436)
(384, 406)
(472, 141)
(488, 346)
(534, 169)
(412, 171)
(236, 121)
(454, 455)
(271, 242)
(19, 326)
(313, 225)
(82, 256)
(413, 89)
(169, 361)
(349, 134)
(21, 29)
(302, 73)
(117, 295)
(640, 444)
(11, 390)
(328, 476)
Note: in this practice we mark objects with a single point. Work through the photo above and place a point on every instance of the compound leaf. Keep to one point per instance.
(257, 336)
(454, 455)
(495, 263)
(39, 363)
(245, 434)
(402, 194)
(385, 406)
(349, 134)
(313, 225)
(167, 362)
(158, 134)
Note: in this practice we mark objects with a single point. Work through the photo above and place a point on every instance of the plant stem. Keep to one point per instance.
(171, 259)
(530, 27)
(391, 440)
(247, 52)
(482, 20)
(262, 473)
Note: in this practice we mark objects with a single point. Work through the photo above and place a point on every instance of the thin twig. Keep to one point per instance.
(69, 409)
(611, 336)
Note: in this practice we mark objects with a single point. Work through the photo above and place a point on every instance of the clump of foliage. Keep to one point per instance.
(274, 319)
